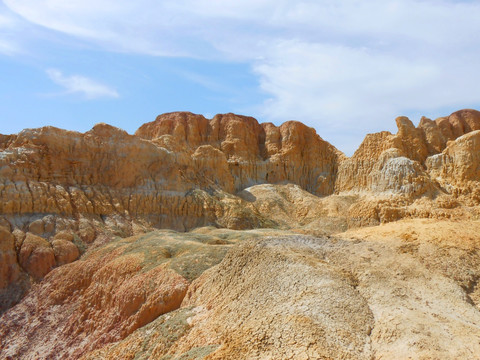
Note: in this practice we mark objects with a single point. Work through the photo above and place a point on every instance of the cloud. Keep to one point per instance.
(8, 47)
(343, 87)
(91, 89)
(8, 27)
(340, 66)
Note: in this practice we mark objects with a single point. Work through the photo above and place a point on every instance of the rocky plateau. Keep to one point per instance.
(227, 238)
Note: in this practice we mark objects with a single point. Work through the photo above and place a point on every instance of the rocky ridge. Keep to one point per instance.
(77, 213)
(61, 190)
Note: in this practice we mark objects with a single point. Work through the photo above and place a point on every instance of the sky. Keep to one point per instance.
(346, 68)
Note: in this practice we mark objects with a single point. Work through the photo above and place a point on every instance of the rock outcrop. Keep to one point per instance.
(253, 153)
(180, 171)
(299, 297)
(173, 179)
(110, 292)
(91, 275)
(457, 168)
(368, 170)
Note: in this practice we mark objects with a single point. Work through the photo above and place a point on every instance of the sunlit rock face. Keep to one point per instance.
(365, 170)
(254, 153)
(61, 191)
(92, 265)
(182, 171)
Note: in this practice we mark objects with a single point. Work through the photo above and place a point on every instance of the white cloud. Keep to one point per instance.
(340, 90)
(8, 47)
(8, 26)
(91, 89)
(340, 66)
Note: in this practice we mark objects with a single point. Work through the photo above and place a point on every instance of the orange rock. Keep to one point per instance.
(36, 256)
(104, 296)
(64, 235)
(434, 137)
(182, 171)
(9, 269)
(255, 153)
(212, 164)
(183, 126)
(65, 252)
(360, 172)
(410, 140)
(459, 123)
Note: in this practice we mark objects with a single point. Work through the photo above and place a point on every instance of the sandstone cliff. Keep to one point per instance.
(253, 153)
(396, 163)
(84, 287)
(61, 190)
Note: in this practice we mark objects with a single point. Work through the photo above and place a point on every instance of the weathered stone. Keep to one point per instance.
(65, 252)
(9, 269)
(36, 256)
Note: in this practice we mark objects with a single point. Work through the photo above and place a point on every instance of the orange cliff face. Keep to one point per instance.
(62, 190)
(254, 153)
(159, 175)
(172, 172)
(70, 203)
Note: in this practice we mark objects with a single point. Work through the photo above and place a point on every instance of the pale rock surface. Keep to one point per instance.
(110, 292)
(399, 175)
(354, 296)
(457, 168)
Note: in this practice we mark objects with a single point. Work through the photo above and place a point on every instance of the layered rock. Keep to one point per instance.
(61, 190)
(174, 171)
(255, 153)
(13, 280)
(9, 269)
(68, 199)
(368, 170)
(457, 168)
(108, 173)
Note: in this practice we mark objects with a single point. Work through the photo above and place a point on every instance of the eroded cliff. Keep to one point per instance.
(71, 202)
(60, 190)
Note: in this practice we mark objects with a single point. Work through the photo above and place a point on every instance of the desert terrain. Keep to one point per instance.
(227, 238)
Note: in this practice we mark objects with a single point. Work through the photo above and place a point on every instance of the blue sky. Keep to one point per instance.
(346, 68)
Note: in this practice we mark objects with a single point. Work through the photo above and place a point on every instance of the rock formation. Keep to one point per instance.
(356, 296)
(363, 171)
(457, 168)
(253, 153)
(183, 170)
(110, 292)
(92, 276)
